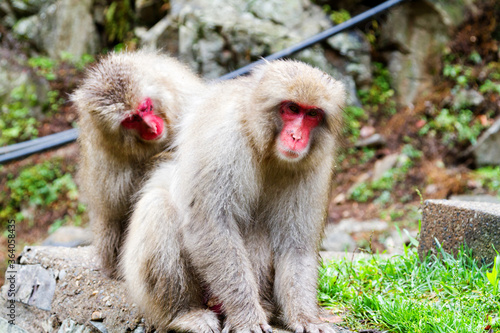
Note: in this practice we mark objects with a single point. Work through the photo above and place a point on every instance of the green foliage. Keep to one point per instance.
(38, 186)
(16, 122)
(366, 191)
(380, 92)
(337, 16)
(362, 193)
(454, 126)
(494, 276)
(42, 184)
(490, 87)
(403, 294)
(488, 177)
(44, 66)
(79, 63)
(118, 18)
(353, 116)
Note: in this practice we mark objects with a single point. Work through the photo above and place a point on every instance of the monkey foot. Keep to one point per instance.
(314, 328)
(200, 320)
(259, 328)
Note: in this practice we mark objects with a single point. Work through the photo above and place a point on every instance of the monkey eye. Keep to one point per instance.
(312, 113)
(294, 108)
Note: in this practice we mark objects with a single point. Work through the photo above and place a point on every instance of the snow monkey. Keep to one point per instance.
(129, 105)
(238, 215)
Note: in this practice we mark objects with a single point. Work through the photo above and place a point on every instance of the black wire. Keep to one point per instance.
(34, 146)
(23, 149)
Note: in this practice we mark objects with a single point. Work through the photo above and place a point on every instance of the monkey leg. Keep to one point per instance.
(108, 233)
(258, 243)
(156, 272)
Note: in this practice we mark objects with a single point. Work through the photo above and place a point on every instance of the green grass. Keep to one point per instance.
(402, 294)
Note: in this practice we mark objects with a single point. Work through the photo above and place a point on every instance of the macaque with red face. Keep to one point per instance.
(242, 207)
(129, 105)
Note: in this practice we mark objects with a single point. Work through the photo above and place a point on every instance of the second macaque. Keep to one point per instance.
(238, 216)
(129, 105)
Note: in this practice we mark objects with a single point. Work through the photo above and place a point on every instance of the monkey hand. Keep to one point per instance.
(314, 328)
(258, 328)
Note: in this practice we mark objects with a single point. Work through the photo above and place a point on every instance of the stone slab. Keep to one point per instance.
(72, 286)
(456, 223)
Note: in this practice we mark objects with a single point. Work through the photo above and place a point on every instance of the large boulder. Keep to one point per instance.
(415, 34)
(61, 26)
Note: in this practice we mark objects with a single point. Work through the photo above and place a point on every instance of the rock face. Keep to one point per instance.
(216, 35)
(416, 32)
(62, 290)
(454, 223)
(487, 149)
(61, 26)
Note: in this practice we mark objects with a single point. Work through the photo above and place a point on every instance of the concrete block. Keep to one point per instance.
(454, 223)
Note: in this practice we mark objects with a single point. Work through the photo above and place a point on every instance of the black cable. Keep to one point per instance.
(50, 142)
(23, 149)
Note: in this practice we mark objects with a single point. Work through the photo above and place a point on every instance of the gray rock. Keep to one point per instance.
(337, 241)
(6, 327)
(354, 226)
(215, 35)
(464, 98)
(70, 326)
(28, 7)
(384, 165)
(415, 33)
(375, 140)
(61, 26)
(163, 35)
(34, 285)
(356, 50)
(69, 236)
(83, 292)
(13, 75)
(487, 149)
(455, 223)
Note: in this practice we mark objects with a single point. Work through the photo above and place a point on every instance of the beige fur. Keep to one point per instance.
(232, 214)
(112, 157)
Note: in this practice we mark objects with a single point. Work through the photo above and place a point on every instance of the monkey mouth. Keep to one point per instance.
(290, 154)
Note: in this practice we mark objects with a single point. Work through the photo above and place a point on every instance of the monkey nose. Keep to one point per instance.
(296, 136)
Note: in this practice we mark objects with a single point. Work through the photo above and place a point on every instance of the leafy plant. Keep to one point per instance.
(118, 16)
(365, 191)
(339, 16)
(16, 123)
(380, 91)
(44, 66)
(454, 126)
(353, 117)
(39, 186)
(488, 177)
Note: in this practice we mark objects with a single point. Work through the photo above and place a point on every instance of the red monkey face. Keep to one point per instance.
(298, 122)
(148, 125)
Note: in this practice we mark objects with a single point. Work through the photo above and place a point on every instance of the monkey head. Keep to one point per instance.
(144, 121)
(299, 107)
